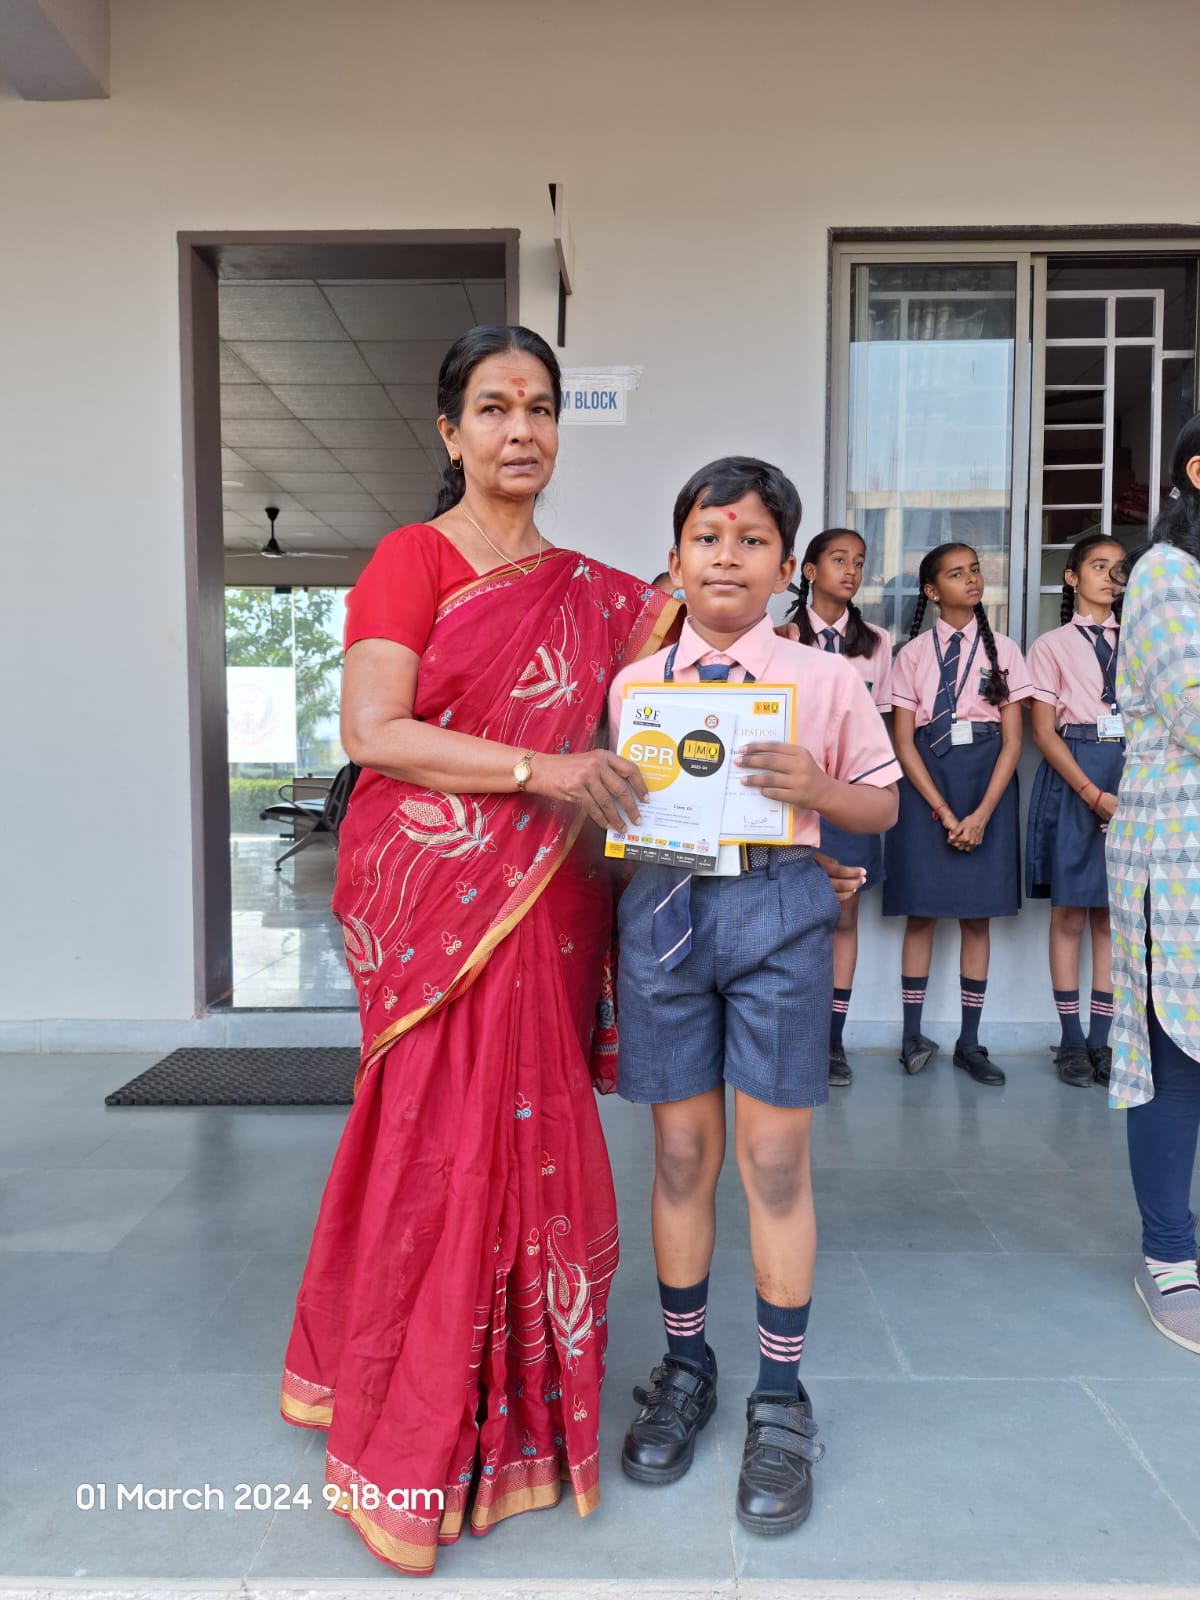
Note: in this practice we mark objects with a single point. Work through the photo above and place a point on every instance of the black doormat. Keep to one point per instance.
(192, 1077)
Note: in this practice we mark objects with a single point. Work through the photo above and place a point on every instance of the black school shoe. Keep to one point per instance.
(775, 1489)
(916, 1051)
(974, 1059)
(1073, 1063)
(840, 1076)
(1100, 1056)
(679, 1399)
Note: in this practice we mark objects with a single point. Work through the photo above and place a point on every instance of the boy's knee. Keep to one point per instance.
(776, 1172)
(974, 927)
(1071, 919)
(682, 1164)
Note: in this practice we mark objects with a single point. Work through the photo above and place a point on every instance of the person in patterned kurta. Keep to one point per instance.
(1153, 860)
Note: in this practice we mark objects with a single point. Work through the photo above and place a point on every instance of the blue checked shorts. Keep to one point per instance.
(749, 1006)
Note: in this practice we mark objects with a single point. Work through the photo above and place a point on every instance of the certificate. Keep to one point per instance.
(683, 752)
(764, 711)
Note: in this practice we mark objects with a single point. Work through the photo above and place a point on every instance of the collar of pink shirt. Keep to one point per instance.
(752, 651)
(1084, 619)
(945, 632)
(818, 624)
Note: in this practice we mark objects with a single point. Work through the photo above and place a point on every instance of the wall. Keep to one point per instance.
(706, 151)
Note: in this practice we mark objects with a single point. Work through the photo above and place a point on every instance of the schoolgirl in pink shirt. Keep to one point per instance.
(1077, 727)
(955, 851)
(827, 618)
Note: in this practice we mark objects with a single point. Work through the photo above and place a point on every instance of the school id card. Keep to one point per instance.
(683, 752)
(763, 712)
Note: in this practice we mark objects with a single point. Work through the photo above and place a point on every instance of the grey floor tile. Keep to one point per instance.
(77, 1208)
(107, 1313)
(1061, 1212)
(78, 1080)
(247, 1329)
(1163, 1422)
(976, 1135)
(221, 1137)
(52, 1134)
(256, 1203)
(877, 1209)
(1020, 1316)
(969, 1482)
(159, 1431)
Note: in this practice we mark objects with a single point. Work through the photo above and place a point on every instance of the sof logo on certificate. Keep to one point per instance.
(683, 753)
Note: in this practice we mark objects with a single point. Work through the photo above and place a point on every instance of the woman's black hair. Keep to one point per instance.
(459, 362)
(1179, 521)
(1079, 550)
(995, 688)
(727, 479)
(859, 640)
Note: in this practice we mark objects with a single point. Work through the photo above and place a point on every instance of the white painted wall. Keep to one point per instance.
(707, 150)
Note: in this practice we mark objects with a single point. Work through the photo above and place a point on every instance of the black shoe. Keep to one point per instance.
(840, 1076)
(679, 1399)
(1100, 1056)
(973, 1058)
(1073, 1063)
(775, 1490)
(915, 1051)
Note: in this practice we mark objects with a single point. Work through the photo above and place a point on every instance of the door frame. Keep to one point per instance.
(205, 259)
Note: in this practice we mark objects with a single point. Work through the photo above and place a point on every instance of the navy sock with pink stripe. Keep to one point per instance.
(973, 991)
(912, 998)
(837, 1020)
(683, 1318)
(1066, 1003)
(1100, 1020)
(781, 1331)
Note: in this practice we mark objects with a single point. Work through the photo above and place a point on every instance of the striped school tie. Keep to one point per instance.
(671, 921)
(1104, 655)
(944, 706)
(831, 641)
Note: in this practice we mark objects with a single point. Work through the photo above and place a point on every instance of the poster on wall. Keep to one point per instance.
(261, 703)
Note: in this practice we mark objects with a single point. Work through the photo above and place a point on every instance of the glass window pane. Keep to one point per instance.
(1074, 365)
(930, 425)
(1074, 318)
(1135, 318)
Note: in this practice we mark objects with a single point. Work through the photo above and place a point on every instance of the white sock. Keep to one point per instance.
(1173, 1277)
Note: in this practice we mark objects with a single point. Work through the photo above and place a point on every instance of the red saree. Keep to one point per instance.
(450, 1326)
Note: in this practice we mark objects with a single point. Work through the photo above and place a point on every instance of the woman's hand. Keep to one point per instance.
(605, 785)
(969, 832)
(947, 818)
(846, 881)
(784, 772)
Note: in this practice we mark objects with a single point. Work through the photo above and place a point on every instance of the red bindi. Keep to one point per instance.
(520, 394)
(732, 515)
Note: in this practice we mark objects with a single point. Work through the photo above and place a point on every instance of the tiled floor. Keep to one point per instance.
(995, 1404)
(287, 948)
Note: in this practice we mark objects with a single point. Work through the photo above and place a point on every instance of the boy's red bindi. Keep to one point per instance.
(732, 515)
(520, 394)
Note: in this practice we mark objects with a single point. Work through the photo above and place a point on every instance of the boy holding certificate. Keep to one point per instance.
(728, 979)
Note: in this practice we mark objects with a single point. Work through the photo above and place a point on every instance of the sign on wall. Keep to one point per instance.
(597, 395)
(261, 705)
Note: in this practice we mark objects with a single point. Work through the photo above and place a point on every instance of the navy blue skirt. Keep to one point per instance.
(924, 875)
(1064, 847)
(854, 850)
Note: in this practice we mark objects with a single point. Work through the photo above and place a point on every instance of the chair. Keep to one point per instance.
(306, 803)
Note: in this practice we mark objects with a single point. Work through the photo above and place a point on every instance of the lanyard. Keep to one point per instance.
(958, 687)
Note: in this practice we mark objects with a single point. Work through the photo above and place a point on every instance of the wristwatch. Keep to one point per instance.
(523, 770)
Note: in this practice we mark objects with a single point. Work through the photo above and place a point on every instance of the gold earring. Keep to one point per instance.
(455, 466)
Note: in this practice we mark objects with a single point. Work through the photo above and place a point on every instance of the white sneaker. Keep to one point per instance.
(1177, 1316)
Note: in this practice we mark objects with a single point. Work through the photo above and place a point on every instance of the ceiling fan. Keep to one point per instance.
(274, 551)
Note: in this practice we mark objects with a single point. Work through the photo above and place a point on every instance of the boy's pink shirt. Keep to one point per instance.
(1066, 672)
(836, 720)
(916, 676)
(875, 670)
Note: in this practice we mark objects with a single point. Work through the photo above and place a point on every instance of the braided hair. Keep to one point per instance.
(1077, 556)
(1179, 521)
(460, 361)
(859, 639)
(995, 687)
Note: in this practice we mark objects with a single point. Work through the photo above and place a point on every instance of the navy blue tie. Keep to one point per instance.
(1104, 655)
(947, 699)
(671, 924)
(831, 640)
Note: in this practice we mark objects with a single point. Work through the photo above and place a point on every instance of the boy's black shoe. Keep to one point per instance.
(1100, 1056)
(840, 1076)
(679, 1400)
(915, 1051)
(1073, 1063)
(974, 1059)
(775, 1488)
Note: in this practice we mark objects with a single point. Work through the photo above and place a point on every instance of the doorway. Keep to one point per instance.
(309, 381)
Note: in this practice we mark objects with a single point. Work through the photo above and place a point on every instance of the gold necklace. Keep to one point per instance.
(524, 571)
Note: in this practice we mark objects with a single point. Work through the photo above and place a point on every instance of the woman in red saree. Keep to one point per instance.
(450, 1327)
